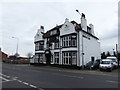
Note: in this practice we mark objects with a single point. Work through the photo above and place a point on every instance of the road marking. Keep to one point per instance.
(25, 83)
(4, 79)
(4, 75)
(19, 81)
(112, 81)
(15, 78)
(33, 86)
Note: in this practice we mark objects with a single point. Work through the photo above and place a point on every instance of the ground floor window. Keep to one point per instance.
(56, 57)
(36, 58)
(69, 58)
(39, 57)
(74, 58)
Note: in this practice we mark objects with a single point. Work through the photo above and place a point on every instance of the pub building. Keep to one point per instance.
(69, 44)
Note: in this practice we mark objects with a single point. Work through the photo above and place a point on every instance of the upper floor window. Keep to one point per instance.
(53, 32)
(39, 46)
(70, 40)
(56, 45)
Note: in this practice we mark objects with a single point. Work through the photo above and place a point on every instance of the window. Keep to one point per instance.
(36, 58)
(53, 32)
(74, 55)
(66, 41)
(47, 45)
(63, 41)
(69, 41)
(36, 46)
(69, 58)
(74, 40)
(39, 45)
(74, 43)
(40, 58)
(56, 57)
(56, 45)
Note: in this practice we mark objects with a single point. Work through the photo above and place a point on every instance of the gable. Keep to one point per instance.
(67, 28)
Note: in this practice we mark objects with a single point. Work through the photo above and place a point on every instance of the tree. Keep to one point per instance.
(114, 53)
(108, 54)
(103, 56)
(118, 56)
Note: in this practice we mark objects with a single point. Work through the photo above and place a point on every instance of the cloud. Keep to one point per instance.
(23, 19)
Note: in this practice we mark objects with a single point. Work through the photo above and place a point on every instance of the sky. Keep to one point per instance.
(22, 18)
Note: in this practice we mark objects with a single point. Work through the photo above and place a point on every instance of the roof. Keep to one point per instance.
(47, 34)
(106, 60)
(77, 28)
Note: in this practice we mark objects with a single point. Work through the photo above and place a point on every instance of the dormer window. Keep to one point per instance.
(53, 32)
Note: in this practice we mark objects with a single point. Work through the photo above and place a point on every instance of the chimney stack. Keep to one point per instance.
(92, 29)
(83, 22)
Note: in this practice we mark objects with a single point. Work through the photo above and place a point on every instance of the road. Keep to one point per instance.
(27, 76)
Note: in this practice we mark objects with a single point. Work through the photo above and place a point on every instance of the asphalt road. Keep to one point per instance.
(26, 76)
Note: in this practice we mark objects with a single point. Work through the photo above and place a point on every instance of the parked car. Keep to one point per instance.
(89, 64)
(114, 59)
(106, 64)
(93, 64)
(96, 64)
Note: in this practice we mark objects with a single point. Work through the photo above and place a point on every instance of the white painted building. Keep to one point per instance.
(67, 44)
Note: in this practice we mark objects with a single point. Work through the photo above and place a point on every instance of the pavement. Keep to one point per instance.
(114, 73)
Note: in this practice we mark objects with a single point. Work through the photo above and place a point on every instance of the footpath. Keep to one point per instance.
(114, 73)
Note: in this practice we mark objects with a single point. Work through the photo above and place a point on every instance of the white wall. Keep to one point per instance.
(39, 35)
(90, 48)
(67, 28)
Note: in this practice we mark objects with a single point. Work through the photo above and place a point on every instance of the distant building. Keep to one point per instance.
(70, 44)
(17, 59)
(3, 55)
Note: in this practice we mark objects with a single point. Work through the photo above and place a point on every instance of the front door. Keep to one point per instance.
(48, 57)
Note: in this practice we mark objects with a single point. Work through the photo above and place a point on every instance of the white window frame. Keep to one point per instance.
(56, 57)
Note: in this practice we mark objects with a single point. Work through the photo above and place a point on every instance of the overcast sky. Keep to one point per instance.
(22, 19)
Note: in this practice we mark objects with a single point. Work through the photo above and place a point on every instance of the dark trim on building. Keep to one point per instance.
(90, 34)
(68, 34)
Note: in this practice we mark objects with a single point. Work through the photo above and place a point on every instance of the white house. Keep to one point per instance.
(69, 44)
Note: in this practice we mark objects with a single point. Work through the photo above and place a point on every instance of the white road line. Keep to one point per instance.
(15, 78)
(19, 81)
(25, 83)
(112, 81)
(4, 79)
(28, 84)
(5, 75)
(33, 86)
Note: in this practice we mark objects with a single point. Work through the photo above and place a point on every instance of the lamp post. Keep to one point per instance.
(17, 45)
(82, 44)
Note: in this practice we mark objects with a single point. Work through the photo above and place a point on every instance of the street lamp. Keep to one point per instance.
(78, 12)
(17, 44)
(82, 44)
